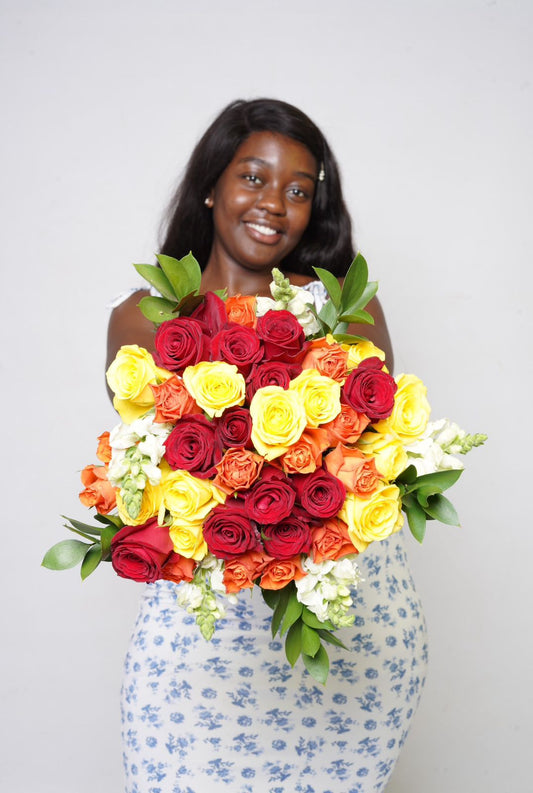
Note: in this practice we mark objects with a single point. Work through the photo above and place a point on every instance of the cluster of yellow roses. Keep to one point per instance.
(279, 418)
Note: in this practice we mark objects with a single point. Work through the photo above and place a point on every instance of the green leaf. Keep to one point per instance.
(328, 315)
(184, 274)
(368, 293)
(332, 285)
(157, 309)
(293, 611)
(312, 620)
(271, 597)
(107, 536)
(279, 611)
(443, 510)
(408, 476)
(327, 636)
(317, 665)
(354, 283)
(361, 317)
(155, 276)
(83, 527)
(65, 554)
(348, 338)
(441, 479)
(310, 640)
(423, 494)
(416, 518)
(91, 560)
(109, 520)
(293, 642)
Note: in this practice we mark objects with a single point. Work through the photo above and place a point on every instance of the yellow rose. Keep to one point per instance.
(215, 386)
(387, 450)
(374, 518)
(278, 420)
(321, 396)
(410, 414)
(188, 539)
(187, 497)
(129, 377)
(362, 350)
(151, 501)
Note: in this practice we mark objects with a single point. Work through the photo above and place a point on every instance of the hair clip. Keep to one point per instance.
(321, 174)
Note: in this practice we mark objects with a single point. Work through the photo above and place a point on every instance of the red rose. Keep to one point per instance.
(282, 335)
(139, 552)
(234, 428)
(191, 447)
(287, 538)
(321, 494)
(272, 498)
(273, 373)
(179, 343)
(211, 314)
(369, 390)
(229, 532)
(237, 345)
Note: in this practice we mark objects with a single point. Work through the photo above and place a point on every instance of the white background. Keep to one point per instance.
(427, 106)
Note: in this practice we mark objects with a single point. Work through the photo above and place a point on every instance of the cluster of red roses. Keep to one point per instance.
(271, 513)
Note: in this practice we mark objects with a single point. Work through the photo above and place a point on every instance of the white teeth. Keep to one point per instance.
(262, 229)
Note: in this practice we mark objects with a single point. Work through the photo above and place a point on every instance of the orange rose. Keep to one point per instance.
(178, 568)
(172, 400)
(241, 310)
(98, 491)
(241, 572)
(328, 359)
(305, 455)
(347, 426)
(357, 472)
(104, 450)
(280, 572)
(238, 470)
(331, 541)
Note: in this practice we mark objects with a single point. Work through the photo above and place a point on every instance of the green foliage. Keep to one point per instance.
(346, 304)
(68, 553)
(177, 280)
(65, 554)
(422, 498)
(304, 631)
(317, 665)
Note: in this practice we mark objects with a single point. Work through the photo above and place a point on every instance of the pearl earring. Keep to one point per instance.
(208, 202)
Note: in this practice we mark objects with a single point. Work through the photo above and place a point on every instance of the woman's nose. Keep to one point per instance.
(272, 200)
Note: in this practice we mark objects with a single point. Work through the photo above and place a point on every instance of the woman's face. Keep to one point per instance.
(262, 201)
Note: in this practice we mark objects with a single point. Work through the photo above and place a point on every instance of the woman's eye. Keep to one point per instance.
(298, 192)
(252, 178)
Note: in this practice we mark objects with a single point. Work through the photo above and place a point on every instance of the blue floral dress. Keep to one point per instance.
(231, 715)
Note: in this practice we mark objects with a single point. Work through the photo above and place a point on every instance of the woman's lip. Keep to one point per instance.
(263, 232)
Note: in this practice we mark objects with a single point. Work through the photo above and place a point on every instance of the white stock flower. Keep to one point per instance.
(433, 451)
(325, 590)
(190, 596)
(264, 304)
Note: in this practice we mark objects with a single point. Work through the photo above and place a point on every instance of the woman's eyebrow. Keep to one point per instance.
(265, 162)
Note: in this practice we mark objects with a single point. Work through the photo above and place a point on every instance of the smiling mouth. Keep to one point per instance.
(266, 230)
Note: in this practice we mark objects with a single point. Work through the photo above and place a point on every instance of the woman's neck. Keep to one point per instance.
(239, 280)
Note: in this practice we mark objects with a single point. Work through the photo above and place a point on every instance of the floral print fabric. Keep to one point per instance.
(231, 715)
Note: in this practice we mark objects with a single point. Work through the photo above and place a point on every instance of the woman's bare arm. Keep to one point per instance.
(127, 325)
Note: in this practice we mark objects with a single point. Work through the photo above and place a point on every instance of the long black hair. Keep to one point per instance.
(188, 224)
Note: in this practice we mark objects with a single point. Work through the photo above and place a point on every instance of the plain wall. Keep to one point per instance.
(427, 106)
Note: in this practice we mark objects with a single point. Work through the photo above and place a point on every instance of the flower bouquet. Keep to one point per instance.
(261, 445)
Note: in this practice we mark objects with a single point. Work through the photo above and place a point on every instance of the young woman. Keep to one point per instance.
(262, 190)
